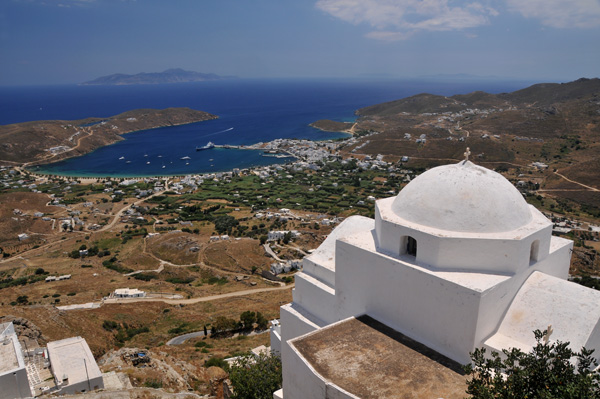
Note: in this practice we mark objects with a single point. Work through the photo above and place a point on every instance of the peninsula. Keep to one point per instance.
(173, 75)
(31, 143)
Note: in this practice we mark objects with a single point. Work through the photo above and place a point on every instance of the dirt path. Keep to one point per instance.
(200, 299)
(575, 182)
(89, 133)
(270, 252)
(118, 215)
(352, 129)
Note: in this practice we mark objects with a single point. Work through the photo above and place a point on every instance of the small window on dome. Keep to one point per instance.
(533, 253)
(411, 246)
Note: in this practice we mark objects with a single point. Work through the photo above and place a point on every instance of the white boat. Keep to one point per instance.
(148, 163)
(127, 161)
(187, 163)
(208, 146)
(121, 158)
(185, 158)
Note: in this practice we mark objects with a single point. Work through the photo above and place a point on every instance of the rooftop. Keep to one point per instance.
(372, 360)
(8, 355)
(72, 357)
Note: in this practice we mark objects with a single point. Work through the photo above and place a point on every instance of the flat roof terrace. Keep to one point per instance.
(72, 357)
(371, 360)
(8, 355)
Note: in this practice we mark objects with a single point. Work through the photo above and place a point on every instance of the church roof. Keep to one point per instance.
(463, 197)
(371, 360)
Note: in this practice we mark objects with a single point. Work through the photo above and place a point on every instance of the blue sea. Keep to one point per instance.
(249, 111)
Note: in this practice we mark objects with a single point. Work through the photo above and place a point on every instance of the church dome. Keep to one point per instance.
(464, 198)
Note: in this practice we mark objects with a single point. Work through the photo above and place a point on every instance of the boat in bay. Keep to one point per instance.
(206, 147)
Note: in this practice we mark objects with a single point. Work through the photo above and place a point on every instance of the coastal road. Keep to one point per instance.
(182, 338)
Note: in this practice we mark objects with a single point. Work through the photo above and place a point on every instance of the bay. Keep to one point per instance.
(249, 111)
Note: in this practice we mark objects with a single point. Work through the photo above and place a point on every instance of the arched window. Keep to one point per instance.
(533, 253)
(411, 246)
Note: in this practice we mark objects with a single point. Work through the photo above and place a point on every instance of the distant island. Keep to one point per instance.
(174, 75)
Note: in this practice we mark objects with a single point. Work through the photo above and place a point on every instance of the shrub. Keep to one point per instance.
(145, 276)
(180, 280)
(217, 362)
(256, 376)
(547, 372)
(153, 383)
(110, 325)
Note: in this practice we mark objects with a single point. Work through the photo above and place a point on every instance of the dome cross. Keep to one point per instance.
(467, 153)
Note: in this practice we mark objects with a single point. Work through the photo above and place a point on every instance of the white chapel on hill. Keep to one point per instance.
(456, 261)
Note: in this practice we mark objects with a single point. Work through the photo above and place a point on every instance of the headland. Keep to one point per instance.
(37, 142)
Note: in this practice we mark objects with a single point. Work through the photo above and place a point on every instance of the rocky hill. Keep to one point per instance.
(174, 75)
(45, 141)
(543, 94)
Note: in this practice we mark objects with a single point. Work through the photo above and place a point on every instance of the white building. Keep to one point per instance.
(13, 374)
(74, 367)
(275, 235)
(456, 261)
(128, 293)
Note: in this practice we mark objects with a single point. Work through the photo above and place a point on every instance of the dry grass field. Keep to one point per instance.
(12, 224)
(237, 256)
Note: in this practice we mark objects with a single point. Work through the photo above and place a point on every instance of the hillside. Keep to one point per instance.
(554, 124)
(44, 141)
(542, 94)
(174, 75)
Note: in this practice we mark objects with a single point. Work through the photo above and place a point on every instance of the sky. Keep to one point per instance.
(72, 41)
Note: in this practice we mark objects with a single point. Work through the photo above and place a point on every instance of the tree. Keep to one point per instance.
(261, 321)
(547, 372)
(222, 325)
(255, 377)
(263, 240)
(287, 237)
(248, 318)
(225, 223)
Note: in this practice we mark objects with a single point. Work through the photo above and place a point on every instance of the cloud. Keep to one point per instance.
(389, 36)
(400, 19)
(560, 13)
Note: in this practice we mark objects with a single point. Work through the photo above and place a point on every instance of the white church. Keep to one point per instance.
(456, 261)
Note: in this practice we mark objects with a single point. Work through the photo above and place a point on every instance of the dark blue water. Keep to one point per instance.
(249, 111)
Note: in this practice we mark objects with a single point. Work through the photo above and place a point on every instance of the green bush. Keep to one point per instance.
(153, 383)
(145, 276)
(549, 371)
(110, 325)
(217, 362)
(256, 376)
